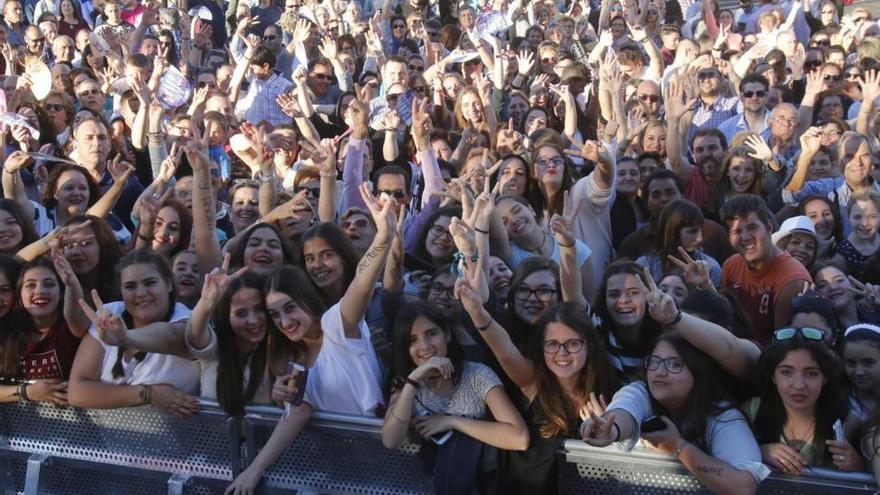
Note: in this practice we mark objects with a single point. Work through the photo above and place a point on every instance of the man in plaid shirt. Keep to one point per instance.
(259, 103)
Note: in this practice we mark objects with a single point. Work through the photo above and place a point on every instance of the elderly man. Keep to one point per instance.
(64, 49)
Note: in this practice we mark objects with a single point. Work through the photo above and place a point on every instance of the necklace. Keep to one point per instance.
(798, 440)
(540, 248)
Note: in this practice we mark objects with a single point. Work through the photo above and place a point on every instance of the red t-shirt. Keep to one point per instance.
(697, 188)
(757, 291)
(51, 357)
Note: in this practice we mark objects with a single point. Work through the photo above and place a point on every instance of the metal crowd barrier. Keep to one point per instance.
(69, 451)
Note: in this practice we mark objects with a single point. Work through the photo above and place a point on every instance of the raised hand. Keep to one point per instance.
(760, 149)
(463, 236)
(811, 140)
(119, 170)
(598, 430)
(696, 272)
(525, 60)
(289, 105)
(592, 151)
(870, 84)
(62, 266)
(328, 48)
(384, 216)
(868, 292)
(433, 367)
(676, 106)
(111, 327)
(16, 161)
(661, 306)
(420, 117)
(322, 154)
(218, 280)
(563, 225)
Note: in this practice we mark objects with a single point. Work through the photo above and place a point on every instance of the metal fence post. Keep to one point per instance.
(35, 465)
(176, 483)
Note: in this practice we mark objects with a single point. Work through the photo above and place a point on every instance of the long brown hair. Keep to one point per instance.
(295, 283)
(554, 413)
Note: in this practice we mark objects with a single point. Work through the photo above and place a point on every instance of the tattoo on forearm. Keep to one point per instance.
(371, 255)
(717, 471)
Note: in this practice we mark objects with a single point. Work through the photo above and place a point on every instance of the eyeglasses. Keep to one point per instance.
(650, 98)
(310, 191)
(786, 121)
(807, 333)
(206, 84)
(438, 289)
(556, 161)
(360, 223)
(571, 346)
(419, 89)
(702, 76)
(673, 365)
(398, 194)
(53, 107)
(37, 40)
(270, 37)
(322, 76)
(831, 77)
(822, 42)
(438, 231)
(70, 246)
(548, 60)
(89, 92)
(543, 294)
(828, 12)
(419, 68)
(434, 34)
(398, 26)
(754, 94)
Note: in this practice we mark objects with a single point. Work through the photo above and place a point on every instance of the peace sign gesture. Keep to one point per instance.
(563, 225)
(218, 280)
(869, 292)
(384, 215)
(696, 272)
(661, 306)
(463, 236)
(111, 327)
(598, 430)
(65, 271)
(472, 288)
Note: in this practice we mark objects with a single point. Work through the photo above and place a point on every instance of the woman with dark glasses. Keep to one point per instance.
(802, 396)
(683, 411)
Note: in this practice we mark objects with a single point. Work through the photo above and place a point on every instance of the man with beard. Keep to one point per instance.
(712, 107)
(762, 277)
(753, 94)
(91, 149)
(708, 149)
(260, 103)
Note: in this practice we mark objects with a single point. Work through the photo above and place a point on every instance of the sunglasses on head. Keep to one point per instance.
(360, 223)
(807, 333)
(752, 94)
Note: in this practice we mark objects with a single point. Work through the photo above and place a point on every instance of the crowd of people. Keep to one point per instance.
(494, 224)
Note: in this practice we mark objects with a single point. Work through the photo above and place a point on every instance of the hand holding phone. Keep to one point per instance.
(838, 431)
(298, 376)
(652, 424)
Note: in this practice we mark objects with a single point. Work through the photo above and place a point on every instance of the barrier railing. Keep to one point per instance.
(49, 450)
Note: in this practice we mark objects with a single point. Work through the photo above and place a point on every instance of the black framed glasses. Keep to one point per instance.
(832, 78)
(807, 333)
(571, 346)
(360, 223)
(270, 37)
(439, 231)
(556, 161)
(649, 98)
(754, 94)
(53, 107)
(702, 76)
(543, 294)
(322, 76)
(398, 26)
(438, 289)
(673, 365)
(310, 191)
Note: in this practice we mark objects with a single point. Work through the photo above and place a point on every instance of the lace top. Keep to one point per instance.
(468, 398)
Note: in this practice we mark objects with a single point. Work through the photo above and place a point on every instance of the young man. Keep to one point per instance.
(762, 277)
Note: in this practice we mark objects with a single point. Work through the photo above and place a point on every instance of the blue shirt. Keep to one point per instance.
(734, 125)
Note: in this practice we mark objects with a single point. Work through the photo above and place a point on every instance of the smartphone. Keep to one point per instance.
(299, 376)
(838, 431)
(438, 438)
(652, 424)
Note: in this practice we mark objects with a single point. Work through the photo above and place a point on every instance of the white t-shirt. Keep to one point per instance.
(183, 374)
(345, 378)
(593, 222)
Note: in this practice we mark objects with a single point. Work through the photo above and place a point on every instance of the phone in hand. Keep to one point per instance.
(438, 438)
(652, 424)
(299, 376)
(838, 431)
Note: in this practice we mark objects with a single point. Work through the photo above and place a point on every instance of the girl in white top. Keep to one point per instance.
(107, 376)
(334, 344)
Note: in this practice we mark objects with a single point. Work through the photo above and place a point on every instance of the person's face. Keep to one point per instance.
(822, 217)
(864, 218)
(64, 50)
(655, 140)
(534, 120)
(244, 209)
(183, 191)
(671, 40)
(827, 14)
(830, 134)
(67, 9)
(7, 294)
(57, 114)
(618, 28)
(72, 193)
(499, 277)
(833, 284)
(438, 242)
(452, 86)
(754, 97)
(82, 251)
(272, 39)
(862, 361)
(292, 319)
(534, 295)
(741, 174)
(133, 73)
(40, 292)
(296, 224)
(513, 177)
(187, 279)
(518, 219)
(549, 166)
(820, 166)
(59, 79)
(832, 76)
(628, 177)
(650, 94)
(675, 287)
(149, 48)
(49, 30)
(90, 96)
(426, 340)
(838, 59)
(396, 73)
(392, 187)
(441, 293)
(647, 167)
(263, 71)
(466, 18)
(564, 364)
(535, 38)
(548, 59)
(784, 123)
(691, 237)
(247, 316)
(517, 108)
(166, 230)
(625, 301)
(92, 144)
(858, 165)
(263, 253)
(708, 147)
(111, 10)
(801, 247)
(831, 108)
(710, 81)
(145, 293)
(472, 109)
(669, 388)
(799, 381)
(661, 192)
(82, 39)
(12, 12)
(359, 230)
(323, 264)
(219, 103)
(751, 239)
(348, 62)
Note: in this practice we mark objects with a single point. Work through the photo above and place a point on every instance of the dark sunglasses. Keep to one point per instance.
(360, 223)
(53, 107)
(702, 76)
(830, 77)
(323, 77)
(415, 67)
(807, 333)
(310, 191)
(397, 194)
(752, 94)
(270, 37)
(89, 92)
(649, 98)
(419, 89)
(399, 26)
(821, 42)
(206, 84)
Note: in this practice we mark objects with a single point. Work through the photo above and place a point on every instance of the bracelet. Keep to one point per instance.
(147, 394)
(481, 230)
(487, 325)
(679, 449)
(23, 391)
(143, 237)
(329, 175)
(617, 434)
(566, 245)
(412, 382)
(675, 320)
